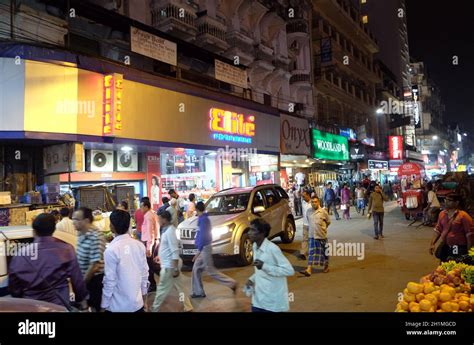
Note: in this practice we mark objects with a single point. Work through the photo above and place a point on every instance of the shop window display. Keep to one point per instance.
(189, 171)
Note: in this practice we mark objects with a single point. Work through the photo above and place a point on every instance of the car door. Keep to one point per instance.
(259, 200)
(273, 201)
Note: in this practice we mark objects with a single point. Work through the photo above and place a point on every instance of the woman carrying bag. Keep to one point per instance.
(455, 230)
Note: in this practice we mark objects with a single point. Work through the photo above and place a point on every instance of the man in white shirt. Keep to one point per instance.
(268, 285)
(306, 205)
(318, 225)
(169, 259)
(126, 269)
(432, 208)
(65, 230)
(300, 177)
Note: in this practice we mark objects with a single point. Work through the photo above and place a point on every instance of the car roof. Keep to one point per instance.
(243, 190)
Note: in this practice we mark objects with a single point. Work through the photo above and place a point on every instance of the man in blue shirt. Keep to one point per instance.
(203, 259)
(330, 199)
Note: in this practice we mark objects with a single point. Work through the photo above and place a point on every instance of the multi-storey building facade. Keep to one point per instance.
(388, 19)
(345, 73)
(431, 135)
(270, 38)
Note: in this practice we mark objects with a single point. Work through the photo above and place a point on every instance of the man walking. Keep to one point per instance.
(179, 204)
(150, 237)
(90, 254)
(306, 205)
(203, 259)
(169, 259)
(360, 196)
(173, 210)
(41, 270)
(330, 200)
(126, 269)
(268, 285)
(318, 224)
(377, 211)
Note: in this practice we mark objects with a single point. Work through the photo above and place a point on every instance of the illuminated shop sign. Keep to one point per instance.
(329, 146)
(231, 126)
(395, 144)
(113, 89)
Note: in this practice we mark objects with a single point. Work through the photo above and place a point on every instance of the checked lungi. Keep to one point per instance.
(317, 252)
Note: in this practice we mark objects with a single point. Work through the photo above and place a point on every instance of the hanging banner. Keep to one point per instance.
(155, 47)
(230, 74)
(153, 179)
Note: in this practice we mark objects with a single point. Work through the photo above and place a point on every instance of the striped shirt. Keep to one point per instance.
(90, 249)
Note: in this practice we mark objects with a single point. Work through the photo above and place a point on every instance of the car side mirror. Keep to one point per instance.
(258, 209)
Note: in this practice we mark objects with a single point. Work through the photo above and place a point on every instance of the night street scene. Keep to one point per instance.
(166, 157)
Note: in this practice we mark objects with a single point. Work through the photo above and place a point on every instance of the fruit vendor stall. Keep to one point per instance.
(449, 288)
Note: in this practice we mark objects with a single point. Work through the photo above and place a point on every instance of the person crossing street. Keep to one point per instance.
(203, 261)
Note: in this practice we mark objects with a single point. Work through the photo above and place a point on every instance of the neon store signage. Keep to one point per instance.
(231, 126)
(113, 93)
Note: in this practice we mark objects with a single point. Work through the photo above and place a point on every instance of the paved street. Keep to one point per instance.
(371, 284)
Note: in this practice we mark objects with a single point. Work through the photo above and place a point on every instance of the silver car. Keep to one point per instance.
(231, 211)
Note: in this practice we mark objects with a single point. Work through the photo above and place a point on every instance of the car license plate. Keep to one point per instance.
(190, 251)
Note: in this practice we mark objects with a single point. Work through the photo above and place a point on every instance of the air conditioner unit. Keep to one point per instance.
(127, 161)
(102, 160)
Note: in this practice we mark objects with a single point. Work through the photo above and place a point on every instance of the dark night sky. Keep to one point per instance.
(437, 30)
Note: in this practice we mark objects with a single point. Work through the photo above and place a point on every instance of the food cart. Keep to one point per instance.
(411, 201)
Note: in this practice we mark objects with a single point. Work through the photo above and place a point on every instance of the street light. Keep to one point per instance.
(435, 137)
(465, 134)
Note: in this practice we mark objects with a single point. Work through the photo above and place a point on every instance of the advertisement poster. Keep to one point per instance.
(153, 179)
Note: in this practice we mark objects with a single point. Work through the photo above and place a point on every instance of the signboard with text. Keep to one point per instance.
(329, 146)
(357, 152)
(294, 136)
(395, 144)
(153, 46)
(349, 133)
(378, 165)
(230, 74)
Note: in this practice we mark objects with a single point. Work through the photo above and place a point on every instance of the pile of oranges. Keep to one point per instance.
(440, 295)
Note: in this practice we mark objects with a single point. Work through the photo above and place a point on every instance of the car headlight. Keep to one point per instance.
(178, 234)
(220, 231)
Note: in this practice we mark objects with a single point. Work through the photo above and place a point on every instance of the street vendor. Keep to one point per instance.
(455, 230)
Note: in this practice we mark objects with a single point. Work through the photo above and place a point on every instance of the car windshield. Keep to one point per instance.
(227, 204)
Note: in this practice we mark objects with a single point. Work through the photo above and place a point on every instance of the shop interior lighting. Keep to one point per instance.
(127, 149)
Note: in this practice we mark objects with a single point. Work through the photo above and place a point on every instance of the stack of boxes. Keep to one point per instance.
(50, 192)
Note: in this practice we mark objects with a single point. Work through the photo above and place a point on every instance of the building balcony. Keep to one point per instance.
(300, 77)
(282, 62)
(178, 19)
(211, 34)
(297, 30)
(241, 45)
(263, 52)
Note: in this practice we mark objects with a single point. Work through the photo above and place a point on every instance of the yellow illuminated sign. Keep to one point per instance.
(229, 122)
(113, 95)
